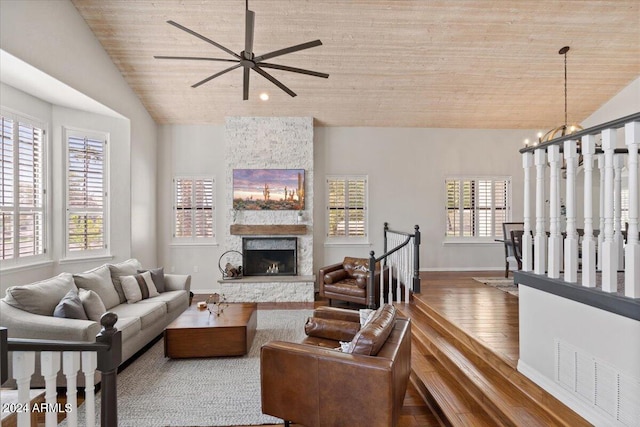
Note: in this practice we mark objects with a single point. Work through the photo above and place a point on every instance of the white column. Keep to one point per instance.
(89, 365)
(70, 368)
(555, 239)
(527, 239)
(618, 238)
(571, 241)
(540, 239)
(588, 241)
(609, 248)
(632, 249)
(601, 211)
(23, 367)
(50, 365)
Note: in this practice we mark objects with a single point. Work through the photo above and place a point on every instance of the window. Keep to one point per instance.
(86, 191)
(193, 209)
(477, 207)
(22, 190)
(347, 207)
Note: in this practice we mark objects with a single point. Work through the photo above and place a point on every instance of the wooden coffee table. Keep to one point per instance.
(196, 333)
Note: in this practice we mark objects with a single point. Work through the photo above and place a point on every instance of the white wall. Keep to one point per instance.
(625, 102)
(52, 36)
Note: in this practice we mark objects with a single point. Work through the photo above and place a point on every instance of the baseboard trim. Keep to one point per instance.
(587, 412)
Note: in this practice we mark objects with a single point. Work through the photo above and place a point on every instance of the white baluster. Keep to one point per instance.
(540, 239)
(618, 238)
(588, 241)
(555, 238)
(70, 368)
(601, 212)
(632, 249)
(609, 248)
(89, 365)
(527, 240)
(23, 367)
(571, 241)
(50, 365)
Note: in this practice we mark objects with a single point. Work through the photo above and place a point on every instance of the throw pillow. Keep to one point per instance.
(99, 281)
(92, 304)
(366, 315)
(138, 287)
(125, 268)
(40, 297)
(157, 275)
(70, 307)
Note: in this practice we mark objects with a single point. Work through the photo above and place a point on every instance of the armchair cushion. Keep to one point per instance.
(335, 276)
(337, 330)
(370, 339)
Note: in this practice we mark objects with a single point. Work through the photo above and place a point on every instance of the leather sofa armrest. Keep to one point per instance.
(335, 276)
(322, 272)
(306, 384)
(335, 313)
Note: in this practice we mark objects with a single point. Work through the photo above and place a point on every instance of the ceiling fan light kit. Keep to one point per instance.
(247, 58)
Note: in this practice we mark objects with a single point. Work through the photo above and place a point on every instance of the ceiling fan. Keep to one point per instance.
(247, 59)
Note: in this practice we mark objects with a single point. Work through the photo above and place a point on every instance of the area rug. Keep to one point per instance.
(505, 285)
(224, 391)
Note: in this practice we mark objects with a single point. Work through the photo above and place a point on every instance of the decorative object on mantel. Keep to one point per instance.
(268, 189)
(230, 271)
(267, 229)
(216, 304)
(247, 59)
(300, 216)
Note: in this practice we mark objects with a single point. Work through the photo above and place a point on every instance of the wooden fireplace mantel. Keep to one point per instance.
(268, 229)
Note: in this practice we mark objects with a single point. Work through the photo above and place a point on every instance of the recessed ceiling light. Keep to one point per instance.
(264, 96)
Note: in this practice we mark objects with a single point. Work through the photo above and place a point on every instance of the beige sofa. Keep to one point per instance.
(27, 311)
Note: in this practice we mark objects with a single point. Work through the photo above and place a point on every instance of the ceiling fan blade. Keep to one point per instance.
(293, 69)
(248, 34)
(273, 80)
(216, 75)
(286, 50)
(201, 37)
(194, 58)
(245, 84)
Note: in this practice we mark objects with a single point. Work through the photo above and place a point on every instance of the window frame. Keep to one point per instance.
(22, 261)
(105, 251)
(346, 239)
(193, 240)
(475, 209)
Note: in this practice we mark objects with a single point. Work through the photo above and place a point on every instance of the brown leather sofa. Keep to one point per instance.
(347, 281)
(313, 384)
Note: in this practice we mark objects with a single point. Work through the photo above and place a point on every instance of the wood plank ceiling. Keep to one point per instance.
(422, 63)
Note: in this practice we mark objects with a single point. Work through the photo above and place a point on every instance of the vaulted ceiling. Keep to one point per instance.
(421, 63)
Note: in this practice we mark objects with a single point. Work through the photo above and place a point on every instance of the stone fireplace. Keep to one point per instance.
(270, 256)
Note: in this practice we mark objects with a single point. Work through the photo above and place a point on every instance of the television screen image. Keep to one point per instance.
(268, 189)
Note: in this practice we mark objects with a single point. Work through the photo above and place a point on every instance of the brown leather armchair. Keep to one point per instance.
(347, 281)
(312, 384)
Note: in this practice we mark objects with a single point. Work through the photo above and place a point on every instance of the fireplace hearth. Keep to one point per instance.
(270, 256)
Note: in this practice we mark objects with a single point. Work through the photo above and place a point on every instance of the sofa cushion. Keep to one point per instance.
(138, 287)
(124, 268)
(40, 297)
(149, 313)
(70, 307)
(370, 339)
(129, 326)
(338, 330)
(99, 281)
(92, 304)
(157, 275)
(174, 300)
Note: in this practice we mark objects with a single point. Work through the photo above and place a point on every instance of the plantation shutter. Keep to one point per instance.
(193, 208)
(86, 193)
(22, 203)
(346, 205)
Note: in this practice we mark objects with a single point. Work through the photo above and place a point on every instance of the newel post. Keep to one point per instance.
(370, 282)
(108, 362)
(416, 260)
(4, 355)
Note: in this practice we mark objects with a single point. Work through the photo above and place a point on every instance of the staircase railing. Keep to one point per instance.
(104, 355)
(403, 264)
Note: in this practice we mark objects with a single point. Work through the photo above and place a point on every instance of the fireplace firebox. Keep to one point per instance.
(270, 256)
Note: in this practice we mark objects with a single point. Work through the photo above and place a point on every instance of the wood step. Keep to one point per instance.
(492, 389)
